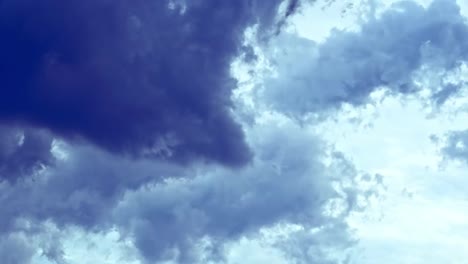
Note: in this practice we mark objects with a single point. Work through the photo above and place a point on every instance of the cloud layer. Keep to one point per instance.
(152, 79)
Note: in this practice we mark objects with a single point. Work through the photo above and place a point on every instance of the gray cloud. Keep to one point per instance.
(14, 249)
(78, 190)
(456, 146)
(286, 184)
(385, 52)
(165, 208)
(23, 152)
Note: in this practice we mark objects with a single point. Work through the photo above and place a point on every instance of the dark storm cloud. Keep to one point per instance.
(146, 76)
(385, 52)
(129, 76)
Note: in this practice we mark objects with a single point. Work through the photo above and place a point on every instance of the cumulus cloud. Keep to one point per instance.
(169, 211)
(386, 51)
(152, 79)
(286, 184)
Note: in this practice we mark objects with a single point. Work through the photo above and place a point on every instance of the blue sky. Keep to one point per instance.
(232, 132)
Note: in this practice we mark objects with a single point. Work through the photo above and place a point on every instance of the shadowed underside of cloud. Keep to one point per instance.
(170, 219)
(138, 77)
(386, 52)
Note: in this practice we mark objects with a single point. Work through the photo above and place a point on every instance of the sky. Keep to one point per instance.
(248, 131)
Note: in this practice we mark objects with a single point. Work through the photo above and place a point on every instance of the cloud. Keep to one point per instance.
(152, 79)
(131, 77)
(14, 249)
(23, 152)
(286, 184)
(349, 65)
(456, 145)
(168, 211)
(78, 190)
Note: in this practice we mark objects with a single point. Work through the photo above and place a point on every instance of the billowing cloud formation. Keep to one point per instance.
(286, 184)
(169, 219)
(386, 51)
(78, 190)
(152, 78)
(129, 76)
